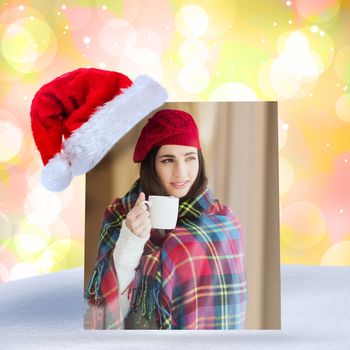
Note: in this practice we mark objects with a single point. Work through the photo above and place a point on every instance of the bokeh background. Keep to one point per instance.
(296, 52)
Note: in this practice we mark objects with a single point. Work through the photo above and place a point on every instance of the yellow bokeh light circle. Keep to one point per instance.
(30, 240)
(286, 175)
(304, 62)
(11, 139)
(191, 21)
(222, 14)
(305, 42)
(304, 65)
(265, 82)
(23, 21)
(283, 80)
(42, 207)
(61, 255)
(303, 225)
(5, 230)
(303, 56)
(295, 71)
(17, 45)
(342, 108)
(149, 38)
(278, 80)
(29, 45)
(341, 64)
(117, 37)
(233, 92)
(60, 229)
(194, 78)
(141, 61)
(282, 133)
(193, 50)
(66, 197)
(33, 174)
(337, 255)
(317, 11)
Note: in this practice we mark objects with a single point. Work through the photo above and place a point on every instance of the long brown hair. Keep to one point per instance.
(150, 182)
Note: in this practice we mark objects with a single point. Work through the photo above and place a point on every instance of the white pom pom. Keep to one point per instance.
(57, 174)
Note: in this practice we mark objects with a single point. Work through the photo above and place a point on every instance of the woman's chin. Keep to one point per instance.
(178, 192)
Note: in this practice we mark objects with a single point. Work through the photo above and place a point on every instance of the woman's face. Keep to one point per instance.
(177, 168)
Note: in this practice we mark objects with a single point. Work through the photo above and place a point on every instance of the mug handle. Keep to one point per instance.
(148, 204)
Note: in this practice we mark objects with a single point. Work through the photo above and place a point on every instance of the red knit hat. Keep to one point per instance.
(167, 127)
(91, 109)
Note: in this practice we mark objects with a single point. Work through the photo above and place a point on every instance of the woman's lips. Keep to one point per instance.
(179, 185)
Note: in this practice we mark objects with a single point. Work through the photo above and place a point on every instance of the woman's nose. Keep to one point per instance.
(180, 169)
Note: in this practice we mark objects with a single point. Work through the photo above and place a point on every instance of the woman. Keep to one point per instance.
(191, 277)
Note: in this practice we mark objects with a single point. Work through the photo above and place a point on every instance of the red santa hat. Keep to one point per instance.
(78, 117)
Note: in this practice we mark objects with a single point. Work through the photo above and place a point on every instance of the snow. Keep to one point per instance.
(46, 312)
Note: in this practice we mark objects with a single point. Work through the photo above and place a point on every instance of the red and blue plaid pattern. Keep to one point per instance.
(192, 277)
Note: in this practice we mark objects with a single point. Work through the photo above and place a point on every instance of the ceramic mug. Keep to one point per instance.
(163, 211)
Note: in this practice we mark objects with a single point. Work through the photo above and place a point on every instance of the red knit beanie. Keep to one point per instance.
(167, 127)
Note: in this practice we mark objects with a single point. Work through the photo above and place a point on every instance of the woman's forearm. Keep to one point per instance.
(127, 253)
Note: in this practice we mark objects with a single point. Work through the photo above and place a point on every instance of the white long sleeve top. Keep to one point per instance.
(127, 254)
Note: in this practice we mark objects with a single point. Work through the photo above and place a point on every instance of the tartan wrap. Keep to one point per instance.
(191, 277)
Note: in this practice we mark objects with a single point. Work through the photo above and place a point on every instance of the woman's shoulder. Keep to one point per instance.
(224, 212)
(217, 208)
(115, 204)
(114, 210)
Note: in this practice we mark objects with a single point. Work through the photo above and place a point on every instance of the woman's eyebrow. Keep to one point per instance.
(172, 156)
(166, 156)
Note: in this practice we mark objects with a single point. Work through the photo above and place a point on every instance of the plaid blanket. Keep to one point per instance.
(191, 277)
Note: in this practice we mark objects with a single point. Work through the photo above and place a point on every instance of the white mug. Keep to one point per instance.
(163, 211)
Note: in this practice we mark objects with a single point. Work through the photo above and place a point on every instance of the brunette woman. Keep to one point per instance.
(191, 277)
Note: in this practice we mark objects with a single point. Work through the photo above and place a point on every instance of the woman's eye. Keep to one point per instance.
(190, 158)
(167, 160)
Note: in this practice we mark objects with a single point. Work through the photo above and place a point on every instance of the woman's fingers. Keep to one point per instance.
(140, 227)
(140, 199)
(135, 222)
(137, 219)
(143, 230)
(137, 211)
(143, 216)
(138, 207)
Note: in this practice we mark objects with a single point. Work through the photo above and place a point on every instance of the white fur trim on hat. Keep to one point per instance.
(109, 123)
(57, 173)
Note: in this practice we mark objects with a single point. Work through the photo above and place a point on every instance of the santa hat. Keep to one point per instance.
(78, 117)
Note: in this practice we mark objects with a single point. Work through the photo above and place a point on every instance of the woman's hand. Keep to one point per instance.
(137, 220)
